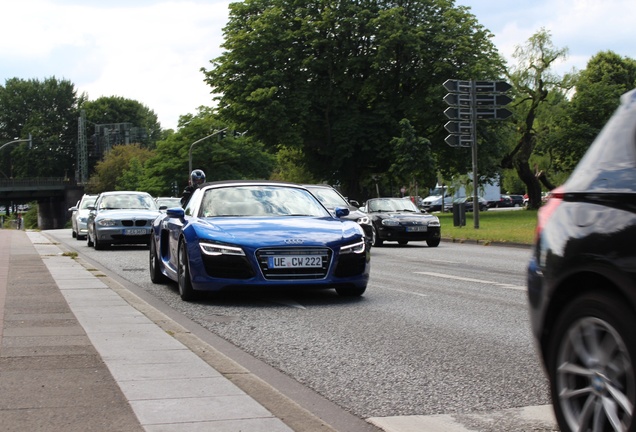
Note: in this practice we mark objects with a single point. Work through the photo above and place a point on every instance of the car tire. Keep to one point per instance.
(74, 234)
(376, 240)
(186, 291)
(592, 363)
(433, 242)
(99, 245)
(351, 291)
(155, 266)
(403, 242)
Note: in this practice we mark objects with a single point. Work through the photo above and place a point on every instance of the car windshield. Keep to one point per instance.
(391, 205)
(87, 202)
(260, 200)
(169, 202)
(328, 197)
(127, 201)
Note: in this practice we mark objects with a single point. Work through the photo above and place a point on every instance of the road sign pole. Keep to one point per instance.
(473, 134)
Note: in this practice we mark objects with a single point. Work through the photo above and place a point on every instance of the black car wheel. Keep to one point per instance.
(98, 244)
(433, 242)
(591, 365)
(183, 275)
(376, 240)
(403, 242)
(155, 273)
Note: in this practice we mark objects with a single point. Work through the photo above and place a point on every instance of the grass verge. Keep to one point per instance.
(494, 226)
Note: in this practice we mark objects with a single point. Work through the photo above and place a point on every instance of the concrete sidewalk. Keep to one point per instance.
(76, 356)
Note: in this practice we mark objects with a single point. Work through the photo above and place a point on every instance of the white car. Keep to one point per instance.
(80, 216)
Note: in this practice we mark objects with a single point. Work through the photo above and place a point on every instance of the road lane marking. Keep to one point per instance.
(465, 279)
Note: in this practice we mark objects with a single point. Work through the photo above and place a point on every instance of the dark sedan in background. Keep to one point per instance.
(399, 220)
(582, 283)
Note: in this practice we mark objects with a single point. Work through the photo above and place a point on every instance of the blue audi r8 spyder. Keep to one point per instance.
(236, 234)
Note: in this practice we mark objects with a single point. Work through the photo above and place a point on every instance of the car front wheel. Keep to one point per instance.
(155, 266)
(185, 283)
(591, 364)
(376, 240)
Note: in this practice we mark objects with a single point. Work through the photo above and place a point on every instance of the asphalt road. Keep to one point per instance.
(439, 331)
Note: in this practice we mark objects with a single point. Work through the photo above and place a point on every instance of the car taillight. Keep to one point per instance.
(555, 198)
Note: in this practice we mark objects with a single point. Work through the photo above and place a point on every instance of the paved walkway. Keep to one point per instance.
(75, 356)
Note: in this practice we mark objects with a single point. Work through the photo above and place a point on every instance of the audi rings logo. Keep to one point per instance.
(294, 241)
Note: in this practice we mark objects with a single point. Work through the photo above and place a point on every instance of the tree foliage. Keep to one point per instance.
(116, 109)
(233, 157)
(532, 80)
(120, 169)
(48, 110)
(335, 78)
(598, 89)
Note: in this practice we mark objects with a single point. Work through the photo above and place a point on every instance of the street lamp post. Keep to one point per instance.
(196, 142)
(17, 141)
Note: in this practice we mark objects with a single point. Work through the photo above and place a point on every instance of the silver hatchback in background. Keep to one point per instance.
(80, 216)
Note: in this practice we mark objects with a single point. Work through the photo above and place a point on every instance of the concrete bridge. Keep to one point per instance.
(53, 195)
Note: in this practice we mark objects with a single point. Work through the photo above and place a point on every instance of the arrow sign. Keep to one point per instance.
(458, 141)
(455, 99)
(492, 113)
(454, 113)
(492, 99)
(456, 127)
(457, 86)
(492, 86)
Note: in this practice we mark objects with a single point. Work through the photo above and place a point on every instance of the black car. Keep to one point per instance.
(398, 219)
(582, 283)
(331, 198)
(468, 203)
(517, 200)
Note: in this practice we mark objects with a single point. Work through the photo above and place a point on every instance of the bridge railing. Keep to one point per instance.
(35, 182)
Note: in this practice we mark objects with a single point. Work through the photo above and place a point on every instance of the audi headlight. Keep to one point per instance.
(390, 222)
(356, 248)
(216, 249)
(107, 222)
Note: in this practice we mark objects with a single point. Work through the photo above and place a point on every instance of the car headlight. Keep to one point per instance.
(82, 219)
(390, 222)
(364, 220)
(434, 223)
(356, 248)
(216, 249)
(107, 222)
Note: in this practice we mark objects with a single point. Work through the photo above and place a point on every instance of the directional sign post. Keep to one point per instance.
(468, 102)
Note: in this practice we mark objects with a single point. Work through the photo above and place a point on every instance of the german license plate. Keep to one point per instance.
(294, 261)
(135, 231)
(417, 228)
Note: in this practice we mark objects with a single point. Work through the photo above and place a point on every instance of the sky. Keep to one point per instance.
(152, 51)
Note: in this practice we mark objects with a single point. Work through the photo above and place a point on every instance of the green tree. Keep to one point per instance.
(335, 78)
(532, 81)
(232, 157)
(115, 169)
(598, 89)
(116, 109)
(48, 110)
(413, 161)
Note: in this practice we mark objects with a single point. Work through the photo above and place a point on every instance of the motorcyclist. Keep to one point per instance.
(197, 178)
